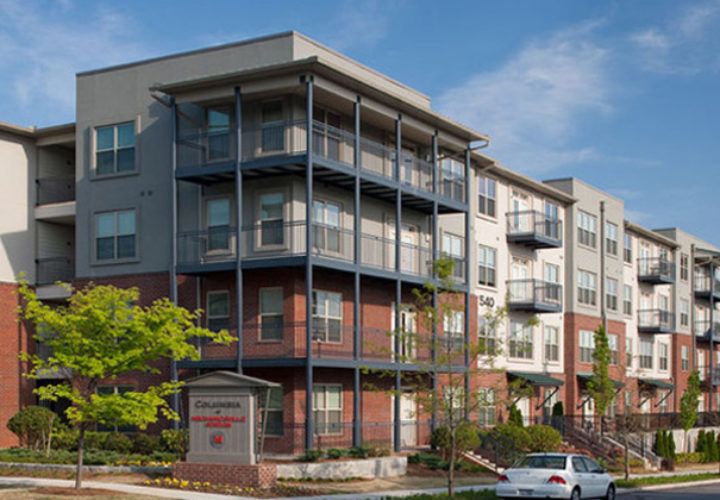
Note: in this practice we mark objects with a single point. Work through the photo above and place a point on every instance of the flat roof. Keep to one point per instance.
(650, 234)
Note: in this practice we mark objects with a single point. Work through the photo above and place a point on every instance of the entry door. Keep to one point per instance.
(408, 248)
(588, 410)
(521, 216)
(521, 286)
(523, 405)
(408, 421)
(406, 341)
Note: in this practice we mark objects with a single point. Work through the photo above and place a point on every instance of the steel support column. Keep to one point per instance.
(398, 270)
(238, 224)
(357, 428)
(435, 255)
(712, 336)
(468, 239)
(175, 400)
(309, 424)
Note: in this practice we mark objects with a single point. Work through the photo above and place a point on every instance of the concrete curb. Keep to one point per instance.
(96, 469)
(668, 486)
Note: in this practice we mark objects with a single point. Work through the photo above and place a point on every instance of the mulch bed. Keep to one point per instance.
(82, 492)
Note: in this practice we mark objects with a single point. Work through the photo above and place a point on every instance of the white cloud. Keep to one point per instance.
(359, 24)
(651, 39)
(531, 105)
(636, 216)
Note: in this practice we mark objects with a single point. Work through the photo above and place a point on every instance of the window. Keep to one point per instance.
(552, 343)
(487, 266)
(274, 425)
(684, 358)
(452, 246)
(684, 267)
(611, 294)
(326, 226)
(111, 390)
(218, 133)
(486, 336)
(628, 353)
(486, 407)
(627, 299)
(454, 328)
(452, 175)
(272, 207)
(486, 196)
(646, 354)
(218, 310)
(327, 408)
(663, 350)
(628, 398)
(327, 316)
(611, 238)
(702, 369)
(115, 235)
(684, 312)
(587, 345)
(664, 403)
(549, 399)
(273, 130)
(115, 149)
(587, 231)
(613, 345)
(586, 288)
(326, 133)
(271, 314)
(218, 224)
(552, 226)
(521, 340)
(627, 248)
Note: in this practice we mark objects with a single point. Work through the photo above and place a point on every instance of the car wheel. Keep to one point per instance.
(575, 494)
(610, 495)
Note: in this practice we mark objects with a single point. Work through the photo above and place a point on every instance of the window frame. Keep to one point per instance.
(611, 298)
(646, 359)
(611, 243)
(520, 346)
(258, 244)
(115, 259)
(261, 314)
(487, 407)
(587, 295)
(485, 201)
(552, 348)
(326, 227)
(209, 316)
(663, 361)
(206, 207)
(684, 358)
(627, 248)
(587, 229)
(614, 346)
(274, 409)
(327, 409)
(115, 149)
(326, 318)
(484, 266)
(684, 267)
(586, 346)
(627, 304)
(486, 327)
(684, 307)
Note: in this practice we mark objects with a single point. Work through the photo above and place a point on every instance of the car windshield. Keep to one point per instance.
(540, 462)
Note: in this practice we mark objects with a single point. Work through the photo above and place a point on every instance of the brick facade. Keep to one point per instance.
(254, 476)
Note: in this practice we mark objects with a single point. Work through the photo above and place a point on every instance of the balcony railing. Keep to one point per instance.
(656, 321)
(206, 148)
(534, 295)
(704, 371)
(656, 270)
(55, 189)
(272, 240)
(704, 332)
(52, 269)
(705, 286)
(534, 229)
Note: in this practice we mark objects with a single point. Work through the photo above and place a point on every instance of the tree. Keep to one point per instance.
(626, 425)
(689, 405)
(600, 385)
(99, 335)
(34, 427)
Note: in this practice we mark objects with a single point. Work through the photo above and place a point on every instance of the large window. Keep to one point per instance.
(613, 345)
(218, 224)
(218, 310)
(586, 288)
(611, 294)
(453, 246)
(663, 355)
(454, 328)
(218, 133)
(274, 425)
(684, 267)
(587, 345)
(115, 149)
(587, 229)
(684, 312)
(108, 390)
(627, 300)
(452, 174)
(327, 316)
(271, 313)
(115, 237)
(684, 358)
(326, 134)
(486, 407)
(273, 130)
(327, 408)
(552, 343)
(326, 226)
(486, 196)
(487, 339)
(611, 238)
(272, 208)
(646, 354)
(521, 341)
(628, 353)
(627, 248)
(487, 266)
(552, 228)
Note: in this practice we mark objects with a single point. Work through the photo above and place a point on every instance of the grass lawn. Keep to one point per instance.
(647, 481)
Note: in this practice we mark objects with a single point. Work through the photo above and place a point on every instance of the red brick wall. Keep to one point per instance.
(254, 476)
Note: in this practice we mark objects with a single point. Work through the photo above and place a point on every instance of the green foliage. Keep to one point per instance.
(689, 401)
(362, 451)
(466, 438)
(515, 417)
(557, 409)
(311, 456)
(92, 457)
(689, 458)
(33, 426)
(145, 444)
(175, 441)
(65, 438)
(543, 438)
(95, 440)
(118, 442)
(682, 478)
(516, 435)
(600, 386)
(335, 453)
(461, 495)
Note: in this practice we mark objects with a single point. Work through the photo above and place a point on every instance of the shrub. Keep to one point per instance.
(543, 438)
(335, 453)
(414, 458)
(512, 436)
(175, 441)
(466, 438)
(310, 455)
(95, 440)
(146, 444)
(359, 451)
(557, 409)
(689, 458)
(33, 426)
(379, 451)
(515, 417)
(117, 442)
(65, 438)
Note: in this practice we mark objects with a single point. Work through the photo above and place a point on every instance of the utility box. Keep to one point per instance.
(224, 418)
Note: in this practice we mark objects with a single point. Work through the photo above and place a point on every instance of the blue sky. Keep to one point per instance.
(621, 94)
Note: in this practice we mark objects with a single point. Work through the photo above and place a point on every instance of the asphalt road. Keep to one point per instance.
(705, 492)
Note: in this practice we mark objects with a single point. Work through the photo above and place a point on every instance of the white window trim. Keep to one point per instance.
(261, 314)
(316, 388)
(257, 233)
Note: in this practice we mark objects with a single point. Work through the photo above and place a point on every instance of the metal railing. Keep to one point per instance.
(532, 222)
(702, 329)
(707, 285)
(534, 292)
(55, 189)
(656, 319)
(654, 268)
(52, 269)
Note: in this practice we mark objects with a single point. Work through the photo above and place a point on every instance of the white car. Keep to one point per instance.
(555, 475)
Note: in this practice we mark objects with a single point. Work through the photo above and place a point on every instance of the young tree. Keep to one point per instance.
(99, 335)
(600, 386)
(689, 405)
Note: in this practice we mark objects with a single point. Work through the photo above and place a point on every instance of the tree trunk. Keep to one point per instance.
(627, 456)
(81, 447)
(451, 466)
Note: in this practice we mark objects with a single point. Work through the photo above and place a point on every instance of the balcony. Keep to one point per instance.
(707, 287)
(55, 190)
(704, 332)
(535, 296)
(534, 229)
(656, 321)
(208, 156)
(704, 371)
(656, 271)
(274, 244)
(52, 269)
